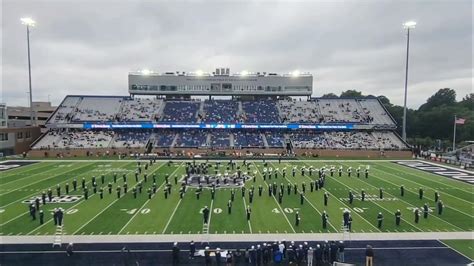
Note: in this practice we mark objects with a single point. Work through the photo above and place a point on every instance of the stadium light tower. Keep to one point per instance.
(407, 25)
(29, 22)
(296, 73)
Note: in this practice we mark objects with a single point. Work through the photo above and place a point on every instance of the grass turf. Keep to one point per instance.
(141, 215)
(466, 247)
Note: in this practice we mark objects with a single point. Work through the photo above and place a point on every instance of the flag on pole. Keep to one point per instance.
(460, 121)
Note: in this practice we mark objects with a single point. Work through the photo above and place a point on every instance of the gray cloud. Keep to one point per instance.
(88, 47)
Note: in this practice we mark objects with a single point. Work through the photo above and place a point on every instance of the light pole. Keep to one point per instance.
(29, 23)
(407, 25)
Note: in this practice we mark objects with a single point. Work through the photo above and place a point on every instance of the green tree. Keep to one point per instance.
(444, 96)
(329, 95)
(352, 93)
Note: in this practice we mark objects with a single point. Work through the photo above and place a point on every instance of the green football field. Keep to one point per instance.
(141, 215)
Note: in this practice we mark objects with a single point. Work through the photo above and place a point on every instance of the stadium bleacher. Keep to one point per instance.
(220, 111)
(248, 139)
(260, 112)
(80, 109)
(220, 139)
(191, 139)
(180, 111)
(140, 109)
(97, 109)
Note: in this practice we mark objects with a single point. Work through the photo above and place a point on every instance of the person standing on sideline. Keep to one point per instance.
(69, 250)
(369, 256)
(175, 253)
(192, 249)
(341, 251)
(310, 256)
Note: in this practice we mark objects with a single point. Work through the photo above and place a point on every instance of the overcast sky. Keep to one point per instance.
(88, 47)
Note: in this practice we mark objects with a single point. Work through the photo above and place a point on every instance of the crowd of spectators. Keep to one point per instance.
(180, 111)
(191, 139)
(275, 139)
(101, 109)
(131, 139)
(220, 111)
(293, 111)
(277, 252)
(318, 110)
(246, 139)
(345, 140)
(164, 138)
(260, 112)
(74, 139)
(220, 138)
(139, 109)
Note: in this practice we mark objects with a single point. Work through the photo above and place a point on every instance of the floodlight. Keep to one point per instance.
(244, 73)
(409, 24)
(295, 73)
(199, 72)
(146, 72)
(28, 22)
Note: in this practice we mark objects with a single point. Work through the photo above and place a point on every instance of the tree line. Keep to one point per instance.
(431, 125)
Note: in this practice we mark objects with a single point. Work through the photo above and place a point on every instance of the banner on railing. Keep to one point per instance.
(91, 125)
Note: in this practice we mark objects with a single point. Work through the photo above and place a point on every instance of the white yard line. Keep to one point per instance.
(386, 180)
(431, 180)
(408, 204)
(172, 215)
(245, 208)
(273, 196)
(378, 204)
(454, 249)
(288, 180)
(358, 214)
(18, 179)
(80, 202)
(210, 215)
(108, 206)
(96, 215)
(62, 173)
(144, 204)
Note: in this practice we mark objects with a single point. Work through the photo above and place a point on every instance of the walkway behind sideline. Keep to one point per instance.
(235, 237)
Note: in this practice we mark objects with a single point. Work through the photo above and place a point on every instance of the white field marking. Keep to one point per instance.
(29, 196)
(284, 215)
(72, 207)
(158, 189)
(171, 217)
(455, 250)
(18, 179)
(358, 214)
(41, 180)
(377, 203)
(210, 215)
(307, 199)
(429, 187)
(95, 216)
(22, 170)
(405, 169)
(248, 221)
(411, 205)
